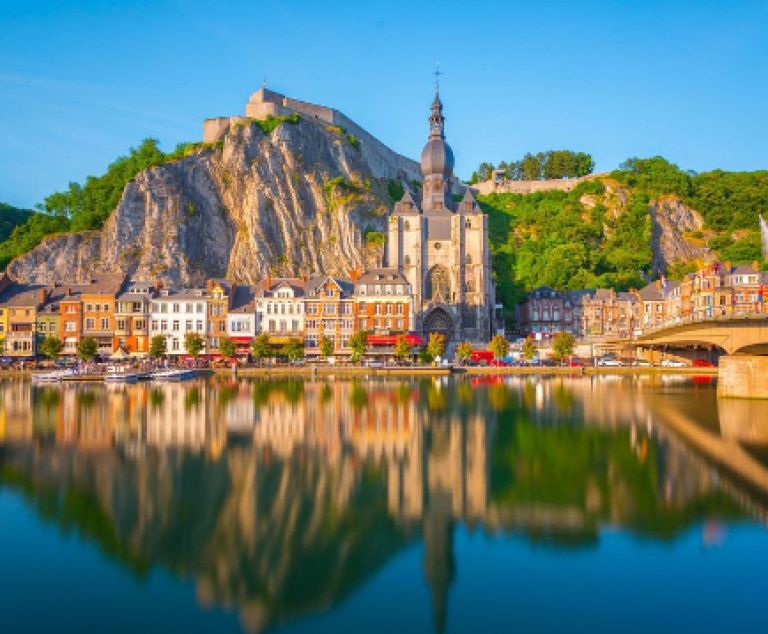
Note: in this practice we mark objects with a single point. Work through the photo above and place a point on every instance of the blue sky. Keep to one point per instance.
(82, 81)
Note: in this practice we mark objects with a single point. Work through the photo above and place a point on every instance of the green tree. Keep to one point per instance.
(51, 347)
(529, 348)
(194, 344)
(403, 348)
(562, 345)
(294, 349)
(157, 346)
(358, 343)
(436, 345)
(464, 351)
(261, 348)
(499, 346)
(87, 348)
(326, 346)
(227, 348)
(425, 357)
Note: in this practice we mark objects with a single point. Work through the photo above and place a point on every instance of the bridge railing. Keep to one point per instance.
(691, 319)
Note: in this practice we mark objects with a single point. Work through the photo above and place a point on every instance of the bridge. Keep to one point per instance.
(732, 336)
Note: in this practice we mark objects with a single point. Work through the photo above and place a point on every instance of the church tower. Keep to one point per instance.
(442, 247)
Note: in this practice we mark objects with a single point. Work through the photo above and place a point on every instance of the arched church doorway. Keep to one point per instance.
(439, 321)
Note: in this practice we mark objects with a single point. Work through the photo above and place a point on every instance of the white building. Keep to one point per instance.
(241, 317)
(280, 308)
(175, 313)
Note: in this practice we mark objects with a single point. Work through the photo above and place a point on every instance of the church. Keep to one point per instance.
(442, 248)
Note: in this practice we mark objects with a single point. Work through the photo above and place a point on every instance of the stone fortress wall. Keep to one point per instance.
(504, 186)
(384, 162)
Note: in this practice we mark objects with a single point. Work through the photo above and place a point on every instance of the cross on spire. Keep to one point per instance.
(437, 74)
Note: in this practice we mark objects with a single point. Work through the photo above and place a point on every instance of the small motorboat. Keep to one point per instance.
(117, 374)
(52, 377)
(173, 374)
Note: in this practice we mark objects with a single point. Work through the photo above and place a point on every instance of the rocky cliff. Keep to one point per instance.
(295, 200)
(672, 222)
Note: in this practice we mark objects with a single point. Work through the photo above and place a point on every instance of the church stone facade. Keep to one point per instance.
(442, 248)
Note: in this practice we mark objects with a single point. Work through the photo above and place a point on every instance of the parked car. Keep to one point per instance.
(609, 362)
(642, 363)
(702, 363)
(576, 363)
(673, 363)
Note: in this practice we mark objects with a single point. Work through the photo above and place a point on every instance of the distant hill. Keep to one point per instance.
(11, 217)
(623, 229)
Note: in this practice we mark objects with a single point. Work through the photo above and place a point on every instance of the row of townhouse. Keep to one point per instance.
(123, 315)
(717, 291)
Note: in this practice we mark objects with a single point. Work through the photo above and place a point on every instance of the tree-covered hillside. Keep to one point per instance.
(85, 206)
(10, 218)
(599, 236)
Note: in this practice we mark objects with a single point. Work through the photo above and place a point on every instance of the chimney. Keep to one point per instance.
(755, 266)
(159, 285)
(658, 284)
(354, 274)
(269, 281)
(727, 266)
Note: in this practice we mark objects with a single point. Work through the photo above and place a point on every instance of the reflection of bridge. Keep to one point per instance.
(733, 336)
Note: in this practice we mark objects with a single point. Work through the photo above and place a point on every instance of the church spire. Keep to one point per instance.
(436, 159)
(436, 118)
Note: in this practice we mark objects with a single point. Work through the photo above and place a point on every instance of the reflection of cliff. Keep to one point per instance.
(279, 497)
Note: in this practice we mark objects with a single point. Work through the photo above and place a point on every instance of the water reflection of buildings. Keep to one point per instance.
(284, 462)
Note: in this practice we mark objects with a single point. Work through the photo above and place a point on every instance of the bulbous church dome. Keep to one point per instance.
(437, 156)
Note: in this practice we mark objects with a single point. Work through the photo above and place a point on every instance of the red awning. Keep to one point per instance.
(242, 339)
(391, 340)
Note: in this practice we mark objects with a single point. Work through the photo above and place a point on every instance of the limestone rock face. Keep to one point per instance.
(298, 200)
(671, 221)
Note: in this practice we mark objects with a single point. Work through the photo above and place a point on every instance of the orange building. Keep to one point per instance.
(329, 313)
(383, 302)
(70, 318)
(98, 302)
(132, 312)
(218, 300)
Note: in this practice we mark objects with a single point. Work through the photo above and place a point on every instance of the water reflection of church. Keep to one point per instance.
(256, 469)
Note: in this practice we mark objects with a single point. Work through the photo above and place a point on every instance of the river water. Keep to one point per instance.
(598, 504)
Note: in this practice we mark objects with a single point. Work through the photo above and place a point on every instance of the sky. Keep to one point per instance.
(83, 81)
